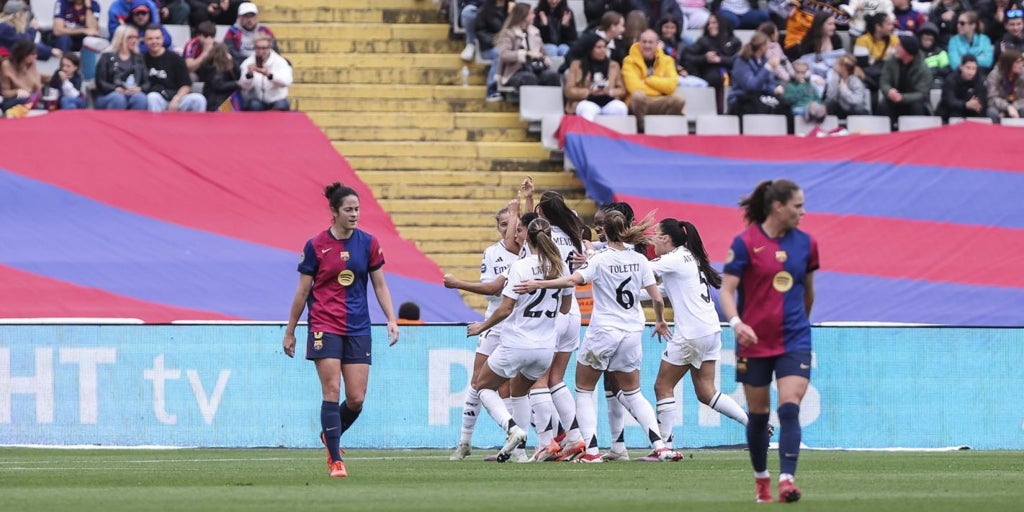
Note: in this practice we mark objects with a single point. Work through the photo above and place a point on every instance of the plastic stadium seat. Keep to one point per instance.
(743, 35)
(180, 34)
(222, 30)
(621, 124)
(1018, 122)
(666, 125)
(868, 124)
(48, 67)
(958, 120)
(537, 101)
(801, 127)
(700, 101)
(548, 127)
(764, 124)
(718, 125)
(576, 6)
(935, 96)
(908, 123)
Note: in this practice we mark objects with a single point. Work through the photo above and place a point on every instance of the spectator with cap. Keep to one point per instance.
(935, 56)
(142, 17)
(15, 26)
(1013, 38)
(220, 12)
(265, 78)
(905, 82)
(121, 10)
(963, 92)
(73, 20)
(241, 37)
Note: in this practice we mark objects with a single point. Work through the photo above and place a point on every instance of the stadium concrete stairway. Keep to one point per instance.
(382, 79)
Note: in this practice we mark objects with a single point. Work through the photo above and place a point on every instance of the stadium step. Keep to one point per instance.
(383, 81)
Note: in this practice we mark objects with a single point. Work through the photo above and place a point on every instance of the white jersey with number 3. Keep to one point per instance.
(687, 288)
(532, 322)
(618, 277)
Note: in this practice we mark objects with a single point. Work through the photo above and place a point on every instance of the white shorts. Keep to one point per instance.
(683, 352)
(611, 349)
(531, 362)
(568, 329)
(488, 341)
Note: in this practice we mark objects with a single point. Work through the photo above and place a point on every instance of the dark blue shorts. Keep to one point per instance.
(757, 371)
(349, 349)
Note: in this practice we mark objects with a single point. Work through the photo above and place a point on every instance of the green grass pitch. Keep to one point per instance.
(254, 480)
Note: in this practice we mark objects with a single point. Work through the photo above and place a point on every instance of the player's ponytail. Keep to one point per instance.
(758, 204)
(696, 247)
(539, 233)
(617, 230)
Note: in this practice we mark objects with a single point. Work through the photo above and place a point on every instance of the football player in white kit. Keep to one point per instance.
(528, 337)
(496, 261)
(613, 339)
(687, 277)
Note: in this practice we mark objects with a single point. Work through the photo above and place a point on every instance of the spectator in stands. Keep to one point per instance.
(993, 18)
(1005, 86)
(241, 37)
(742, 14)
(862, 10)
(754, 88)
(220, 12)
(15, 26)
(695, 14)
(651, 80)
(173, 12)
(197, 50)
(798, 23)
(219, 76)
(970, 40)
(1013, 37)
(963, 93)
(594, 83)
(67, 82)
(521, 52)
(409, 314)
(798, 92)
(655, 10)
(905, 82)
(670, 30)
(20, 82)
(170, 88)
(595, 10)
(944, 14)
(121, 74)
(611, 28)
(935, 56)
(874, 46)
(846, 93)
(489, 21)
(782, 68)
(821, 47)
(557, 26)
(265, 78)
(141, 17)
(711, 57)
(467, 18)
(73, 20)
(636, 24)
(908, 21)
(121, 10)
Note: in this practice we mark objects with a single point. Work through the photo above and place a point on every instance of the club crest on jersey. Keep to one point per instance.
(344, 255)
(346, 277)
(318, 340)
(782, 282)
(780, 256)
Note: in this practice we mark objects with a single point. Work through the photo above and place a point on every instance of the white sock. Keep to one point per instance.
(544, 415)
(785, 477)
(470, 412)
(724, 404)
(586, 417)
(666, 411)
(508, 404)
(521, 411)
(565, 404)
(641, 409)
(495, 407)
(762, 474)
(616, 421)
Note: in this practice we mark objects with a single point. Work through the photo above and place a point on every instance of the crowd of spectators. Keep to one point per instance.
(806, 57)
(140, 66)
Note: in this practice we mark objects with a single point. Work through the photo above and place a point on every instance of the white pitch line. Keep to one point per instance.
(7, 464)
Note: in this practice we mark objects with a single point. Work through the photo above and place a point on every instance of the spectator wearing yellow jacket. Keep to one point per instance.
(651, 79)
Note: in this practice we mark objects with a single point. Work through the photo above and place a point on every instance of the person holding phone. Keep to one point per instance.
(594, 85)
(265, 78)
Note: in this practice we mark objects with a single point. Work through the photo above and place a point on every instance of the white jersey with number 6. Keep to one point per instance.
(618, 277)
(688, 289)
(532, 322)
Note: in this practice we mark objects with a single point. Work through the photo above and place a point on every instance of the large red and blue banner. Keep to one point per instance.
(919, 227)
(179, 217)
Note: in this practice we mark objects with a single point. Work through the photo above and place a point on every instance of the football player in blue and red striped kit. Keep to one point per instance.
(771, 264)
(333, 272)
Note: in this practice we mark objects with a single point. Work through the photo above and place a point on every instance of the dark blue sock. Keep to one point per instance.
(757, 441)
(789, 437)
(348, 416)
(330, 422)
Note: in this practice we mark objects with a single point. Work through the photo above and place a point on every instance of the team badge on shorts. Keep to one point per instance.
(318, 340)
(344, 255)
(346, 277)
(741, 365)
